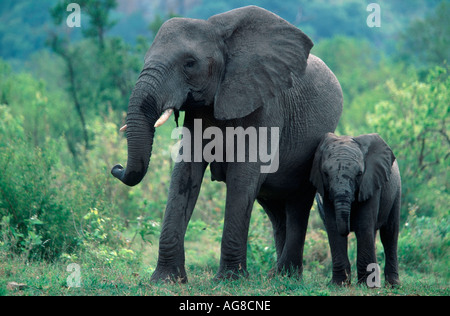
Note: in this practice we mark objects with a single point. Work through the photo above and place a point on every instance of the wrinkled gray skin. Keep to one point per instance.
(360, 190)
(246, 67)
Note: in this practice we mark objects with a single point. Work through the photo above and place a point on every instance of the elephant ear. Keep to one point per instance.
(316, 176)
(378, 164)
(261, 52)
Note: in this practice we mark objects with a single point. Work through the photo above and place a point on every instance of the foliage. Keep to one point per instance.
(111, 73)
(261, 246)
(98, 13)
(362, 70)
(47, 209)
(424, 244)
(27, 206)
(425, 42)
(109, 64)
(414, 122)
(102, 239)
(24, 24)
(23, 27)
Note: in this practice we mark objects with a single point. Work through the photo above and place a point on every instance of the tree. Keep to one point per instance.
(414, 121)
(99, 73)
(69, 56)
(98, 13)
(362, 70)
(426, 42)
(23, 26)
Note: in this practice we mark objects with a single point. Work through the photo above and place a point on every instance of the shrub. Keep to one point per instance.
(44, 204)
(413, 121)
(424, 244)
(30, 210)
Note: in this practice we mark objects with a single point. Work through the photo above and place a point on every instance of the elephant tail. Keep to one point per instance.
(319, 202)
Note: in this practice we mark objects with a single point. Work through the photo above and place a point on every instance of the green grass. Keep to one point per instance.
(122, 279)
(110, 271)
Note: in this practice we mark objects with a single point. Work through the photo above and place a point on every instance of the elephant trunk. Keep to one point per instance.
(342, 208)
(143, 113)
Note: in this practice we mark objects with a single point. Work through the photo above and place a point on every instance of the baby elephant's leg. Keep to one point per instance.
(389, 238)
(366, 255)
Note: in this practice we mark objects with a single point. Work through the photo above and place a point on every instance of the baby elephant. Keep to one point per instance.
(360, 190)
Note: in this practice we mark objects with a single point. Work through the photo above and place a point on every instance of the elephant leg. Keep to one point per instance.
(365, 230)
(338, 247)
(275, 210)
(339, 257)
(365, 252)
(241, 194)
(183, 193)
(389, 238)
(297, 214)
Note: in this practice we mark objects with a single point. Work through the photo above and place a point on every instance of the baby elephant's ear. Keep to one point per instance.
(316, 176)
(378, 160)
(262, 51)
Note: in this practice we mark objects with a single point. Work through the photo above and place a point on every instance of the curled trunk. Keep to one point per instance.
(141, 118)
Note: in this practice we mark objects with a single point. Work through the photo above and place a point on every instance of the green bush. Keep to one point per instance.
(413, 120)
(424, 244)
(28, 209)
(44, 205)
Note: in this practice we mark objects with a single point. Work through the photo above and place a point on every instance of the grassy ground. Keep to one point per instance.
(120, 271)
(104, 273)
(133, 279)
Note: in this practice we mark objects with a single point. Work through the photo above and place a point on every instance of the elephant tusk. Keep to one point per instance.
(123, 128)
(164, 117)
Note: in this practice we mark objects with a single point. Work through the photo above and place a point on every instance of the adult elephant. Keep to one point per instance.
(243, 68)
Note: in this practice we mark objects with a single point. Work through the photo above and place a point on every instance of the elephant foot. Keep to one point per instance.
(169, 275)
(234, 273)
(393, 281)
(291, 270)
(341, 282)
(341, 279)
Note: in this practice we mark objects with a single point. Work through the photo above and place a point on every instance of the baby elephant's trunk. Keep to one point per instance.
(342, 208)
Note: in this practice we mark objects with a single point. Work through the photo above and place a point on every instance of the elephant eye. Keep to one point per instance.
(189, 64)
(360, 173)
(325, 174)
